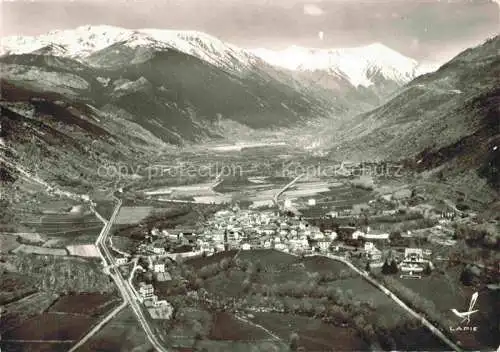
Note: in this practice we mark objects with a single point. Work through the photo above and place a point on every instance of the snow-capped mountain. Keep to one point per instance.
(361, 66)
(84, 41)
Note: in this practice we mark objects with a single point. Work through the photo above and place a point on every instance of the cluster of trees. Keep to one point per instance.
(478, 237)
(390, 267)
(419, 303)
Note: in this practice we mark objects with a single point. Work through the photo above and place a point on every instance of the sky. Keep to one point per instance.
(426, 30)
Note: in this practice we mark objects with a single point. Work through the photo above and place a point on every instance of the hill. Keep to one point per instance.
(448, 119)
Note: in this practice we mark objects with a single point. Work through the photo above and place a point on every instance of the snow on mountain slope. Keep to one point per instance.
(83, 41)
(358, 65)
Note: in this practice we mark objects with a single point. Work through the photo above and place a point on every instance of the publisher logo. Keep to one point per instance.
(464, 317)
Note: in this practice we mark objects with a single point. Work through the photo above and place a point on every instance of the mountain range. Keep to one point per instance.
(114, 94)
(447, 121)
(353, 79)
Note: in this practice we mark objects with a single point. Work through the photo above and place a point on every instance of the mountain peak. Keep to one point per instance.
(356, 63)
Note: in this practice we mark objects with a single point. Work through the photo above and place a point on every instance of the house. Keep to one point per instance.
(311, 202)
(218, 237)
(414, 255)
(145, 291)
(372, 252)
(219, 247)
(159, 267)
(267, 244)
(332, 235)
(356, 234)
(158, 250)
(413, 261)
(246, 246)
(155, 232)
(300, 243)
(280, 246)
(323, 245)
(318, 235)
(121, 261)
(333, 214)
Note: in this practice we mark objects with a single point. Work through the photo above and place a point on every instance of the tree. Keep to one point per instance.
(367, 267)
(428, 269)
(199, 333)
(294, 341)
(389, 267)
(386, 268)
(394, 267)
(467, 277)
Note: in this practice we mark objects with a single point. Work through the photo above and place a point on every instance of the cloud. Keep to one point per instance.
(313, 10)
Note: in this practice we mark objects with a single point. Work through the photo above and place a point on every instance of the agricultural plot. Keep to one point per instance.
(84, 250)
(133, 215)
(62, 274)
(268, 257)
(122, 333)
(388, 312)
(286, 293)
(200, 262)
(51, 326)
(18, 312)
(441, 292)
(105, 208)
(8, 243)
(14, 287)
(29, 249)
(62, 225)
(226, 326)
(314, 335)
(35, 323)
(91, 304)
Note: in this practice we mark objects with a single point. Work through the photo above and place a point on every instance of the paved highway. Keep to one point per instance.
(123, 286)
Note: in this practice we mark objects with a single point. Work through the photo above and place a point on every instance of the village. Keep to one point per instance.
(236, 229)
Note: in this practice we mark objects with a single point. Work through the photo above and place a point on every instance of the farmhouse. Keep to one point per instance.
(121, 260)
(158, 250)
(159, 267)
(323, 245)
(145, 291)
(246, 246)
(372, 252)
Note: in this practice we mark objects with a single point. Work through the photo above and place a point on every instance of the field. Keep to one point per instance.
(14, 287)
(61, 274)
(122, 333)
(226, 326)
(8, 243)
(84, 250)
(133, 215)
(338, 197)
(442, 291)
(84, 303)
(16, 313)
(59, 230)
(318, 297)
(314, 335)
(13, 346)
(200, 262)
(51, 326)
(44, 322)
(28, 249)
(105, 208)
